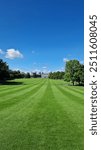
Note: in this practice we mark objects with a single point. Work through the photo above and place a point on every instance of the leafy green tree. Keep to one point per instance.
(28, 75)
(67, 77)
(74, 72)
(34, 74)
(4, 71)
(56, 75)
(81, 74)
(17, 74)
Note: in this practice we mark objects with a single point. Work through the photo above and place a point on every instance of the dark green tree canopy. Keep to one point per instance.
(74, 71)
(4, 71)
(56, 75)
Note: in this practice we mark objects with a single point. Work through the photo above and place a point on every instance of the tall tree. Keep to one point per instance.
(4, 71)
(74, 71)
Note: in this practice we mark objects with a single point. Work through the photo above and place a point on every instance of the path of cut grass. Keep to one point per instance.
(41, 114)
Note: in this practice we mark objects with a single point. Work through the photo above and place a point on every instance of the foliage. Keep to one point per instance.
(36, 75)
(74, 72)
(4, 71)
(27, 75)
(67, 77)
(56, 75)
(17, 74)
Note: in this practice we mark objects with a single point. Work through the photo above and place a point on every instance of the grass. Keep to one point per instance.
(41, 114)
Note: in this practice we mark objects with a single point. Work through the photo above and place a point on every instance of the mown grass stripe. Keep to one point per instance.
(67, 89)
(74, 96)
(74, 116)
(19, 124)
(47, 125)
(13, 89)
(25, 105)
(75, 89)
(6, 88)
(62, 83)
(71, 106)
(25, 87)
(18, 87)
(13, 99)
(43, 119)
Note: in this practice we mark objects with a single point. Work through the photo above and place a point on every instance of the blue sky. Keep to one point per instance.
(40, 35)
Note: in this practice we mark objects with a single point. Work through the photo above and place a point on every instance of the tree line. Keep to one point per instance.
(74, 72)
(7, 74)
(56, 75)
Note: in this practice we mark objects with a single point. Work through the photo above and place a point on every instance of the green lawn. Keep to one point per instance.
(41, 114)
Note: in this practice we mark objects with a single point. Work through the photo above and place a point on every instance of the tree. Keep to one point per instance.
(34, 75)
(74, 72)
(56, 75)
(16, 74)
(81, 74)
(28, 75)
(4, 71)
(67, 77)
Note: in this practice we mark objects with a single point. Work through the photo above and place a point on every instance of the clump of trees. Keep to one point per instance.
(36, 75)
(4, 71)
(18, 74)
(7, 74)
(56, 75)
(74, 72)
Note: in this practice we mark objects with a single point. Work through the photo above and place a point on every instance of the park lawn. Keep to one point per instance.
(41, 114)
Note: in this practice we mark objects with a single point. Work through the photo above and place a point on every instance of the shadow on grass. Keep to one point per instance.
(11, 83)
(79, 85)
(70, 84)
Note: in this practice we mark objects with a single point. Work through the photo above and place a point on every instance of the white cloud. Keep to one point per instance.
(1, 51)
(65, 59)
(12, 54)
